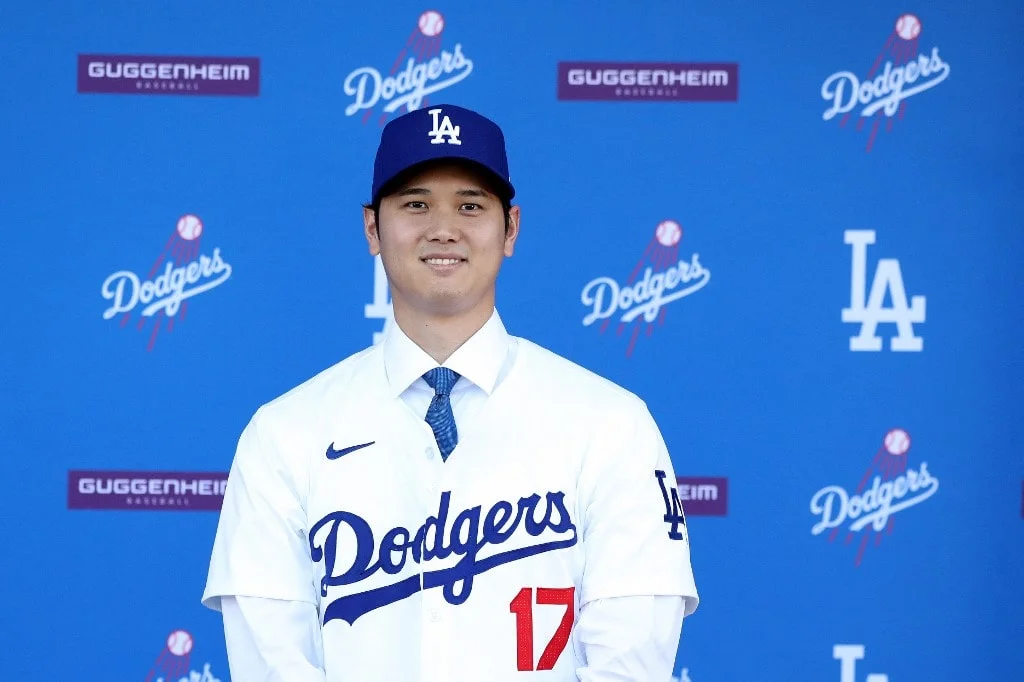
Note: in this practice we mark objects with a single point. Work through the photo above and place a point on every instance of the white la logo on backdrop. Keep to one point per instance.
(888, 278)
(446, 129)
(848, 655)
(380, 307)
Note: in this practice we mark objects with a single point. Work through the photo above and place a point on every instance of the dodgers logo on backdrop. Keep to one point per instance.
(184, 272)
(421, 68)
(174, 662)
(900, 71)
(888, 487)
(660, 277)
(848, 655)
(474, 538)
(869, 310)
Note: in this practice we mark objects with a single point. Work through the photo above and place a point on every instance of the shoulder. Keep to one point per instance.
(326, 392)
(564, 381)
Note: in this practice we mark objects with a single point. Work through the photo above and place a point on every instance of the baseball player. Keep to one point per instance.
(453, 503)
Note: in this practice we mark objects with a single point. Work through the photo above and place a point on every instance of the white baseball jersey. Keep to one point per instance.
(559, 492)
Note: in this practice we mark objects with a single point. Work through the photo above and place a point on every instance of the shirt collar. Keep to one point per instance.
(479, 359)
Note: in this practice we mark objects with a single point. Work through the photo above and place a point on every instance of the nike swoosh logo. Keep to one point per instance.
(335, 454)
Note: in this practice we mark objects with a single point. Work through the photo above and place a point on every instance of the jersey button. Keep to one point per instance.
(429, 452)
(434, 616)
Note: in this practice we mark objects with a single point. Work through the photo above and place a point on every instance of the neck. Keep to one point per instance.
(441, 335)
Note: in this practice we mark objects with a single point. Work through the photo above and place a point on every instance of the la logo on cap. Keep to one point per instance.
(445, 129)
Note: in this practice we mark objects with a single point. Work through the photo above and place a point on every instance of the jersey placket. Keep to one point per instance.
(435, 613)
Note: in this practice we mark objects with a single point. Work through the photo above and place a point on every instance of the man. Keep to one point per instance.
(454, 503)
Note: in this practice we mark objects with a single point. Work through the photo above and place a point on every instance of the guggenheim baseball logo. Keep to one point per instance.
(146, 490)
(179, 273)
(900, 71)
(660, 277)
(648, 81)
(888, 487)
(421, 68)
(704, 495)
(148, 75)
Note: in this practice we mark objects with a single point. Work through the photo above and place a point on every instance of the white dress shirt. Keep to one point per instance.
(621, 638)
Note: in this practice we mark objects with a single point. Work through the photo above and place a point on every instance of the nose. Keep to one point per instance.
(443, 227)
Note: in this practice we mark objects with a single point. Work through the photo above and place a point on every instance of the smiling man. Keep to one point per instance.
(454, 503)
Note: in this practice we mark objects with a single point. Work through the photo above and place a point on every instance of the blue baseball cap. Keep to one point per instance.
(439, 132)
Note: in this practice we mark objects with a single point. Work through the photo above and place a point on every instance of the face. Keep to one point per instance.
(442, 239)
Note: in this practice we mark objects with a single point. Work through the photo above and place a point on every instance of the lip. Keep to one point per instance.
(459, 260)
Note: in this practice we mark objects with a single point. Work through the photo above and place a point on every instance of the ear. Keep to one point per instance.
(371, 231)
(513, 230)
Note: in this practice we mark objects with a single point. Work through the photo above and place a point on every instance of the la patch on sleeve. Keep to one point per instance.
(674, 516)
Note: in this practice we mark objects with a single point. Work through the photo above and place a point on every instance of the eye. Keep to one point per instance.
(416, 205)
(470, 207)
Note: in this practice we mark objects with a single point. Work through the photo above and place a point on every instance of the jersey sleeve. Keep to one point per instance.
(260, 548)
(635, 539)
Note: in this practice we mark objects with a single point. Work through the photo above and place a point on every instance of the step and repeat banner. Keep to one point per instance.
(795, 231)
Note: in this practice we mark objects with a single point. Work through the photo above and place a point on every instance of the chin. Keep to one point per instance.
(447, 302)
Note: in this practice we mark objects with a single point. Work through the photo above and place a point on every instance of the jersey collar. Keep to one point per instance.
(478, 360)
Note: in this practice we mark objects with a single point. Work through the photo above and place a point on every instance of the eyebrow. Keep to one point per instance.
(423, 191)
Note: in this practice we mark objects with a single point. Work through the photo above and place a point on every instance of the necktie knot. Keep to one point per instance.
(441, 379)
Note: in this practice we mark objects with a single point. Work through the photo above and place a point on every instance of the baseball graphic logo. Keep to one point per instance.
(189, 227)
(888, 487)
(668, 233)
(897, 442)
(908, 27)
(660, 277)
(874, 100)
(179, 643)
(431, 23)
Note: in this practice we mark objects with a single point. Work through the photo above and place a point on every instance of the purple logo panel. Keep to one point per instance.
(148, 75)
(648, 81)
(146, 490)
(704, 495)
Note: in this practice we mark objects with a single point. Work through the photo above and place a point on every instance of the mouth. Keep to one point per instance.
(443, 262)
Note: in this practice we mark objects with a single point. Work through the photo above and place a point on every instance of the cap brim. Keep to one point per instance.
(498, 185)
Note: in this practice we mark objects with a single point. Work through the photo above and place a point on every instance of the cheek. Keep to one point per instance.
(397, 239)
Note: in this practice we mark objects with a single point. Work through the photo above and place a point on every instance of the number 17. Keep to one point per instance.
(522, 607)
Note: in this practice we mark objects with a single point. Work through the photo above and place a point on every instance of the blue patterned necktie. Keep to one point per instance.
(439, 414)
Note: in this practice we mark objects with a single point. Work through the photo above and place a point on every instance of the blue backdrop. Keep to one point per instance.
(114, 168)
